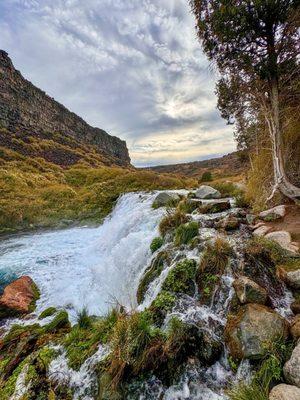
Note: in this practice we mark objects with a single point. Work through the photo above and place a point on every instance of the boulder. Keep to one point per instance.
(207, 192)
(248, 291)
(295, 327)
(283, 238)
(229, 223)
(273, 214)
(295, 307)
(285, 392)
(215, 206)
(19, 297)
(291, 369)
(262, 230)
(247, 333)
(292, 279)
(164, 199)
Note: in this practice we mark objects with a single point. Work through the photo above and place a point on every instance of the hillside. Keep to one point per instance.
(228, 165)
(34, 124)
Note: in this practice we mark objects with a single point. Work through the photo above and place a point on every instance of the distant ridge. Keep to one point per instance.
(231, 164)
(26, 111)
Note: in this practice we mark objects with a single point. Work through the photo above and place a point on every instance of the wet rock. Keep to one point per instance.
(248, 291)
(247, 333)
(19, 297)
(273, 214)
(295, 307)
(291, 368)
(207, 192)
(229, 223)
(215, 206)
(295, 327)
(165, 199)
(292, 279)
(283, 238)
(285, 392)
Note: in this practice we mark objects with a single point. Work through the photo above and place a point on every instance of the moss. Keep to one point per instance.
(61, 320)
(48, 312)
(150, 274)
(181, 278)
(7, 390)
(46, 355)
(156, 244)
(163, 304)
(185, 233)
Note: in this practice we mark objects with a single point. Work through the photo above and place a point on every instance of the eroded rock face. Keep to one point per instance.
(295, 307)
(248, 291)
(291, 368)
(207, 192)
(165, 198)
(19, 297)
(247, 333)
(285, 392)
(273, 214)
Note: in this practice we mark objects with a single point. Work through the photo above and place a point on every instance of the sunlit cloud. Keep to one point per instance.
(131, 67)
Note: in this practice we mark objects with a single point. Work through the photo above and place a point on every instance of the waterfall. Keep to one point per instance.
(92, 267)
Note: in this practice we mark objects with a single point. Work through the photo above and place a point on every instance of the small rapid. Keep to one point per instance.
(92, 267)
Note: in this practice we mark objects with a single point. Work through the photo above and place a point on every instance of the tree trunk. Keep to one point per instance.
(281, 181)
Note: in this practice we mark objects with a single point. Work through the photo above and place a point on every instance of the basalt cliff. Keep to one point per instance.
(34, 124)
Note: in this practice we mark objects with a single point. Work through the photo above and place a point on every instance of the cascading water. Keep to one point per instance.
(87, 267)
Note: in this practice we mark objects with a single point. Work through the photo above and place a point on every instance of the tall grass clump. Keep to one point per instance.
(186, 232)
(171, 221)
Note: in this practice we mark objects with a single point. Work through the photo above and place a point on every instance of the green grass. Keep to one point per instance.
(171, 221)
(186, 232)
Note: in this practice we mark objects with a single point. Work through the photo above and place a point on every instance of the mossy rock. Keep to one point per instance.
(163, 304)
(156, 244)
(151, 273)
(60, 321)
(181, 278)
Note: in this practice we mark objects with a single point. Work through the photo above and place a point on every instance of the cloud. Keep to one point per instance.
(131, 67)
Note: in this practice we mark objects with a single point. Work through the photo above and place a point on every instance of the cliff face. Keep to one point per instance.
(26, 110)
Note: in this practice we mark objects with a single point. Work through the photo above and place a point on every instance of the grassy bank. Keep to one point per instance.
(36, 193)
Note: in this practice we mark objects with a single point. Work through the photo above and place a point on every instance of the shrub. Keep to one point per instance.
(171, 221)
(156, 244)
(181, 278)
(185, 233)
(206, 177)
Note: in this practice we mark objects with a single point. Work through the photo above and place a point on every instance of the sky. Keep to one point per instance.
(134, 68)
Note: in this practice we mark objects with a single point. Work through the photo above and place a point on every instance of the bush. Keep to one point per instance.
(206, 177)
(156, 244)
(181, 278)
(171, 221)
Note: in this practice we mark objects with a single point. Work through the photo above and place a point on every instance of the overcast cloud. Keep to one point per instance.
(131, 67)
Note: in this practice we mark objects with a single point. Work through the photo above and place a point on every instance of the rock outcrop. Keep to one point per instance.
(247, 333)
(248, 291)
(19, 297)
(27, 109)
